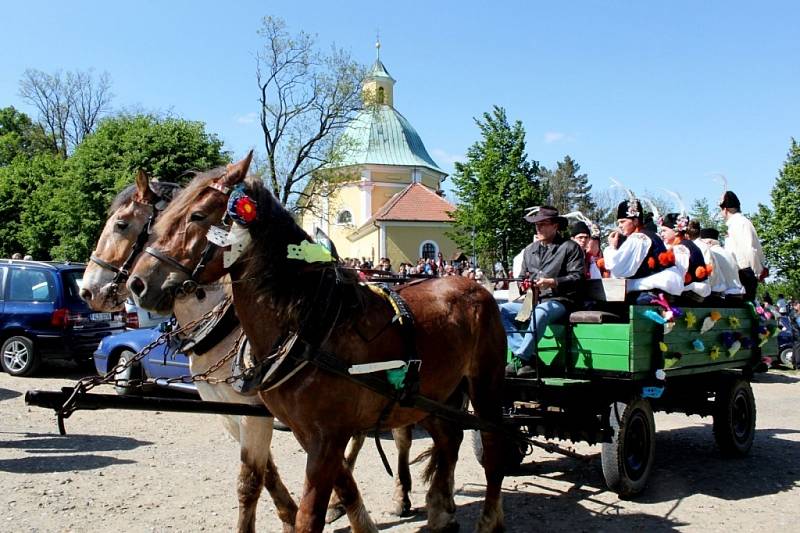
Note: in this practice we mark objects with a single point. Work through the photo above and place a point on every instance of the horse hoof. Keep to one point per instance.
(334, 513)
(402, 509)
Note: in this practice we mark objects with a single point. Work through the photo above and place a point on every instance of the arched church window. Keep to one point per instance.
(428, 250)
(345, 217)
(380, 95)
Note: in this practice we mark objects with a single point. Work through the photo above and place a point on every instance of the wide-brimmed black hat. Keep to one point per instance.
(729, 199)
(579, 228)
(709, 233)
(546, 212)
(626, 209)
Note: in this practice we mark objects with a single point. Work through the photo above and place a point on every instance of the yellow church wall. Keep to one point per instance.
(367, 246)
(403, 242)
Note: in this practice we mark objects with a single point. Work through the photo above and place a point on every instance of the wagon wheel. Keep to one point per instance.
(628, 458)
(734, 417)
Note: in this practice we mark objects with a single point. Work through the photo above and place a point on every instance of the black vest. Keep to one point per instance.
(696, 260)
(656, 247)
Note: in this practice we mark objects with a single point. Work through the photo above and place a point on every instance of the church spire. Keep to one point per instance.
(378, 85)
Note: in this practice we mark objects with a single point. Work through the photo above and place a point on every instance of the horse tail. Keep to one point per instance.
(434, 455)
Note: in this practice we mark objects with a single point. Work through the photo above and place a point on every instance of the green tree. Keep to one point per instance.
(779, 226)
(494, 187)
(19, 181)
(64, 215)
(19, 136)
(567, 189)
(701, 212)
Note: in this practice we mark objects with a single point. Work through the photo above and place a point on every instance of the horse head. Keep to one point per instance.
(123, 237)
(180, 257)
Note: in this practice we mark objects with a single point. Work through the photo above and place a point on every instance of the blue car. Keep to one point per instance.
(43, 317)
(163, 361)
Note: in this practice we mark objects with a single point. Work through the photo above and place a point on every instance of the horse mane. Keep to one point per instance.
(123, 197)
(288, 286)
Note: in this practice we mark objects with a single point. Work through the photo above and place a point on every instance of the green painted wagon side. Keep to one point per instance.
(631, 350)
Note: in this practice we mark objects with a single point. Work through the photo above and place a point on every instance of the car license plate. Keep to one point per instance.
(100, 317)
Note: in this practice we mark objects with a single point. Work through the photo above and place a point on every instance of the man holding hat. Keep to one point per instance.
(742, 241)
(556, 267)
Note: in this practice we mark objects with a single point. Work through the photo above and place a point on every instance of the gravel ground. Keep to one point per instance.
(153, 471)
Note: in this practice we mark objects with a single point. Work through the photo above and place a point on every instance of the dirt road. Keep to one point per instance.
(138, 471)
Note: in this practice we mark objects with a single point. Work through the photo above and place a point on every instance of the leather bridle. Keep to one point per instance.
(122, 273)
(191, 285)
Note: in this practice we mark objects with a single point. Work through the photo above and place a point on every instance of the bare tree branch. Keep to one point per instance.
(69, 105)
(307, 98)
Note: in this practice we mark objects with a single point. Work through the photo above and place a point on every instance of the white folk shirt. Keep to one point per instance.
(743, 243)
(724, 277)
(624, 261)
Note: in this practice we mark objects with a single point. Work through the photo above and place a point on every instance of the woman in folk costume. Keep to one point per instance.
(637, 258)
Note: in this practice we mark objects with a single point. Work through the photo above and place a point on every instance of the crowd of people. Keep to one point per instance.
(429, 266)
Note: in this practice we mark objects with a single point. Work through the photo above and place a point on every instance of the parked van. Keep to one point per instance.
(43, 317)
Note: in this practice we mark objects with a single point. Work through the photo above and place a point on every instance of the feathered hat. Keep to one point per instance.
(582, 225)
(676, 221)
(630, 208)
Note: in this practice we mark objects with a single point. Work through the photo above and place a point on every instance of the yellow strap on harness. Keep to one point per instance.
(385, 295)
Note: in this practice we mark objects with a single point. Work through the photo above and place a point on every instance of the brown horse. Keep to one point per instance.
(104, 289)
(459, 339)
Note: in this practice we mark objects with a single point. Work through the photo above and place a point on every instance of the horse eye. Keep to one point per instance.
(121, 225)
(197, 216)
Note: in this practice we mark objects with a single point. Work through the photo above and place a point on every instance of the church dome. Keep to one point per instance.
(382, 136)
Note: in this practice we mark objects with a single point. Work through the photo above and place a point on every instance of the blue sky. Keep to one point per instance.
(656, 94)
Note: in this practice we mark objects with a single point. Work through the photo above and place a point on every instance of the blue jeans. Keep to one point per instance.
(523, 344)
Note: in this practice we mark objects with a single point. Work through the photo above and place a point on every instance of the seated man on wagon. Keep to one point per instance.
(726, 286)
(687, 256)
(638, 255)
(555, 266)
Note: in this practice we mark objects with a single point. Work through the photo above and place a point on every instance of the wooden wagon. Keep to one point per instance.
(602, 375)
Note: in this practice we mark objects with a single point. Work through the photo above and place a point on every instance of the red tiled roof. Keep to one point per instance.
(416, 203)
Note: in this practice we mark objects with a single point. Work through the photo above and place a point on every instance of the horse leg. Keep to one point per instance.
(258, 470)
(350, 498)
(324, 469)
(335, 508)
(440, 473)
(284, 503)
(488, 405)
(402, 479)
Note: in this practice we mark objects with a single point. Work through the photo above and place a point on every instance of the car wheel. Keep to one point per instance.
(123, 378)
(787, 358)
(19, 358)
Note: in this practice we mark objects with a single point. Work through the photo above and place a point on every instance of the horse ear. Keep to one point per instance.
(237, 172)
(143, 191)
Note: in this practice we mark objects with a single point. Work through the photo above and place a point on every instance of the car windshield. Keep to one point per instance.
(73, 281)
